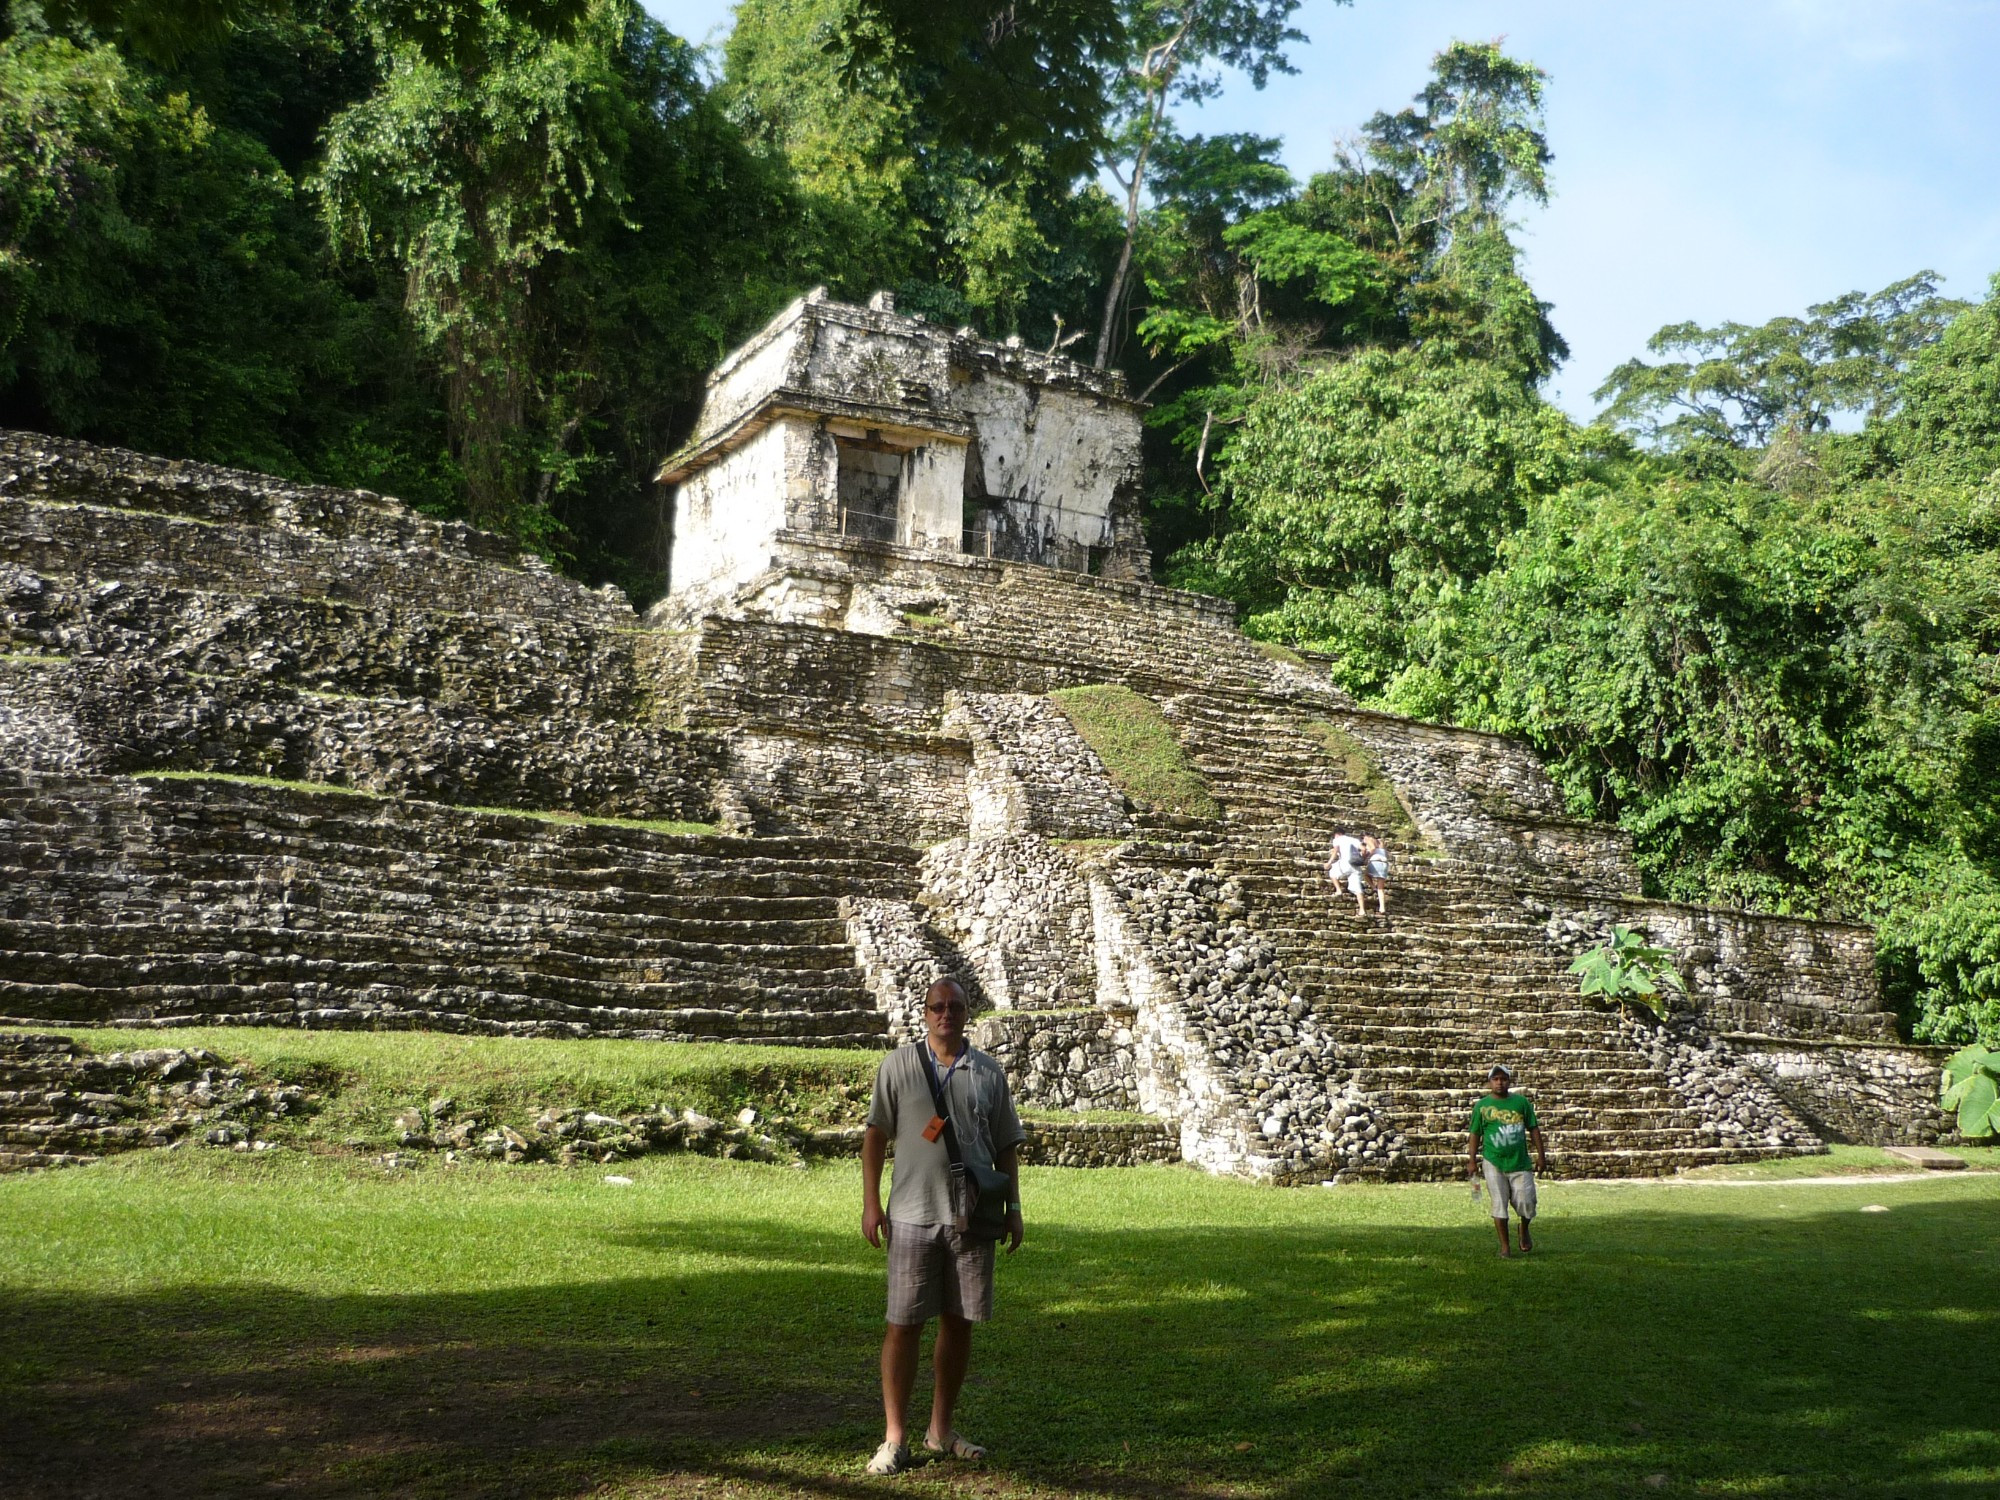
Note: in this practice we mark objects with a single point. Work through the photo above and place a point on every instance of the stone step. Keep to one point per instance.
(391, 1008)
(164, 955)
(535, 931)
(418, 853)
(358, 966)
(1470, 1058)
(638, 915)
(1612, 1162)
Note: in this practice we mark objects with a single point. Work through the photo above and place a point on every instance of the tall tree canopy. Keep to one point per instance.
(488, 276)
(1741, 387)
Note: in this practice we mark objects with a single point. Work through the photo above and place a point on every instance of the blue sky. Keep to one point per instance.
(1713, 160)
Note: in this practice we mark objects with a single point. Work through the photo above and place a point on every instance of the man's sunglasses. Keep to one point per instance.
(949, 1005)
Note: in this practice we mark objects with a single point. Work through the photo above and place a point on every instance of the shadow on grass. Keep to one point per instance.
(1833, 1353)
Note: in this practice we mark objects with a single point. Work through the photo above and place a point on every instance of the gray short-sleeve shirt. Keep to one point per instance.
(982, 1111)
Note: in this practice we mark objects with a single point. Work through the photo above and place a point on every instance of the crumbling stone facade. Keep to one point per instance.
(288, 755)
(859, 422)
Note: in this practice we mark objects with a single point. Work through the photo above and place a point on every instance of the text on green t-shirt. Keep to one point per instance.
(1502, 1126)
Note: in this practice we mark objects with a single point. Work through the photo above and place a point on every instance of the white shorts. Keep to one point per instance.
(1341, 872)
(1506, 1190)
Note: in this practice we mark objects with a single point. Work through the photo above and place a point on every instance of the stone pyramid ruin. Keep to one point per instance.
(278, 754)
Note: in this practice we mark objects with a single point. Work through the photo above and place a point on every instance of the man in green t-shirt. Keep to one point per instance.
(1502, 1124)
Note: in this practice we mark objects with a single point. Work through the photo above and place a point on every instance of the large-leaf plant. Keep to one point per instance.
(1625, 967)
(1972, 1088)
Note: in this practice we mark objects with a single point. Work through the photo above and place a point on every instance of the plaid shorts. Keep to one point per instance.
(932, 1271)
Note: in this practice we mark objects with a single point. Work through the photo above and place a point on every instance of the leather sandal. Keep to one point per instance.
(957, 1447)
(890, 1458)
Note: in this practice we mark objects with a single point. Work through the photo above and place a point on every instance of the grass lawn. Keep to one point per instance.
(362, 1079)
(205, 1323)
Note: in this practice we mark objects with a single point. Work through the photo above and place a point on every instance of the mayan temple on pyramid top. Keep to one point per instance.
(861, 423)
(276, 754)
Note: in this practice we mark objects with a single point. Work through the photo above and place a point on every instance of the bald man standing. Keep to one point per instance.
(935, 1270)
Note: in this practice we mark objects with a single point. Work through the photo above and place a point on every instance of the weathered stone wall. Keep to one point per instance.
(900, 958)
(223, 621)
(100, 539)
(1736, 1105)
(1032, 772)
(1488, 800)
(500, 665)
(723, 514)
(1043, 449)
(775, 672)
(1020, 912)
(39, 729)
(1099, 1143)
(1221, 1043)
(64, 472)
(136, 715)
(1857, 1095)
(1131, 631)
(904, 789)
(1076, 1059)
(1772, 976)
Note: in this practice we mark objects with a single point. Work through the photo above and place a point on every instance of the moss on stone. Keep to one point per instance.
(1138, 749)
(1278, 651)
(1353, 758)
(277, 782)
(543, 814)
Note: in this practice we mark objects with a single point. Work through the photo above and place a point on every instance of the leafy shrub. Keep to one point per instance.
(1972, 1087)
(1626, 967)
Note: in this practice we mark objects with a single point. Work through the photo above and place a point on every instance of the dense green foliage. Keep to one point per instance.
(479, 253)
(1771, 651)
(1972, 1090)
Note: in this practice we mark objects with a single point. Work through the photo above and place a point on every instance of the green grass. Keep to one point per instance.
(366, 1078)
(278, 782)
(1138, 749)
(929, 624)
(1391, 816)
(208, 1323)
(31, 659)
(1839, 1161)
(545, 815)
(1278, 651)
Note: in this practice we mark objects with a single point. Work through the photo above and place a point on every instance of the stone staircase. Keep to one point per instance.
(1456, 979)
(184, 902)
(160, 615)
(1034, 615)
(167, 617)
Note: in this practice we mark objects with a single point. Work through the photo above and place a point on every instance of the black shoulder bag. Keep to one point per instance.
(978, 1194)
